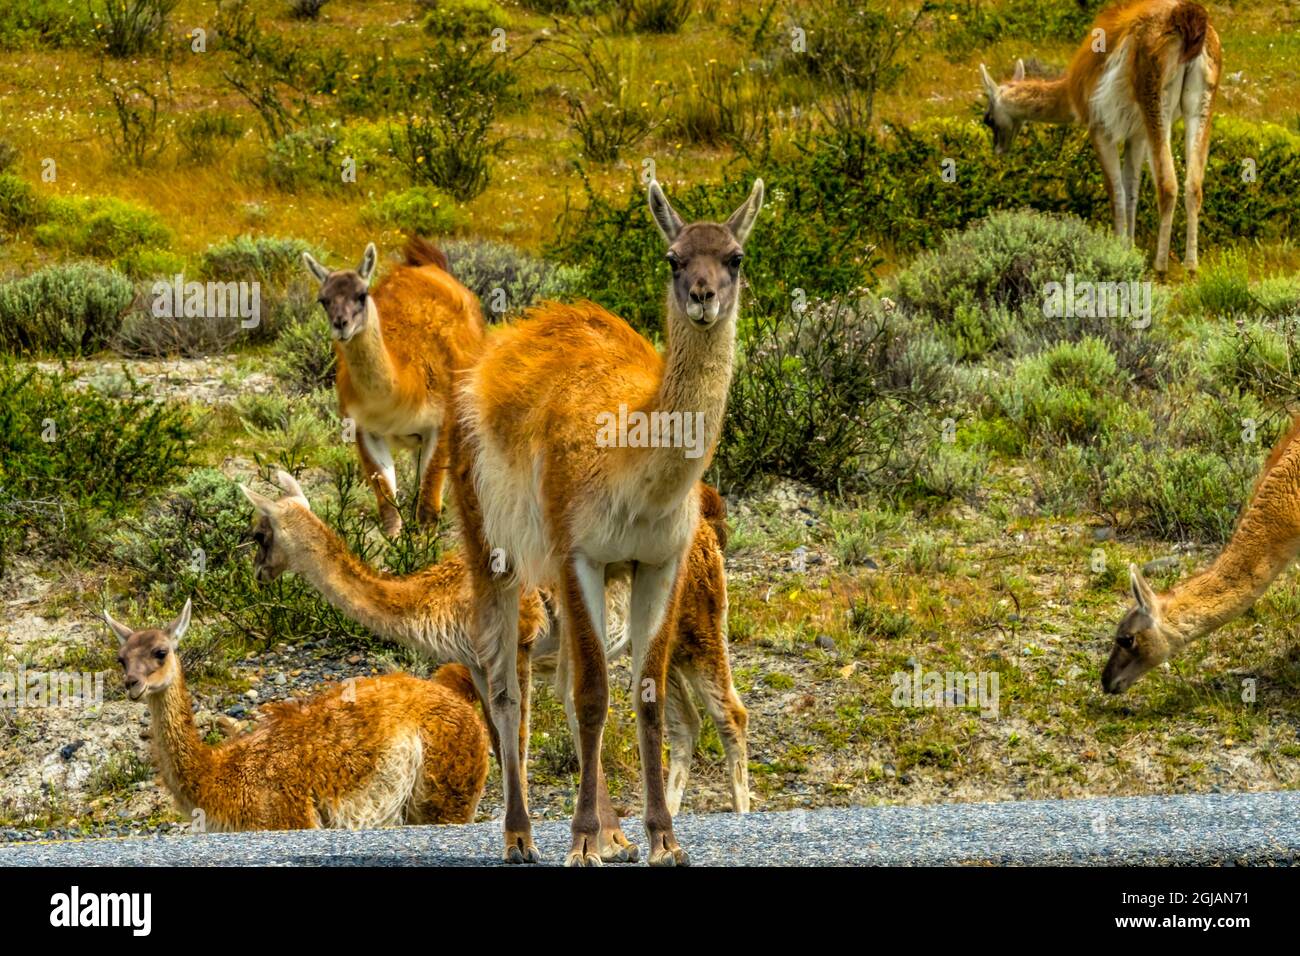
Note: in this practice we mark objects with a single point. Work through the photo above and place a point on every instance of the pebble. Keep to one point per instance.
(826, 642)
(251, 694)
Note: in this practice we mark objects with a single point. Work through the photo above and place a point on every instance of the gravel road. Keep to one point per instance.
(1255, 828)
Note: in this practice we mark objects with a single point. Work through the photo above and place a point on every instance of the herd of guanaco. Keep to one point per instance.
(574, 551)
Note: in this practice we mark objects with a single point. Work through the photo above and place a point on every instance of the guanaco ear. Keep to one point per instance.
(1143, 593)
(315, 268)
(1020, 71)
(990, 88)
(665, 216)
(742, 220)
(121, 630)
(260, 502)
(368, 260)
(177, 628)
(289, 484)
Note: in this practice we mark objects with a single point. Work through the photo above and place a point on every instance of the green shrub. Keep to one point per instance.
(988, 286)
(967, 26)
(1176, 493)
(813, 399)
(102, 227)
(306, 158)
(1065, 394)
(303, 359)
(1224, 290)
(20, 206)
(271, 260)
(71, 309)
(207, 136)
(871, 619)
(71, 456)
(654, 16)
(449, 102)
(458, 19)
(53, 24)
(893, 183)
(8, 155)
(506, 279)
(420, 210)
(131, 27)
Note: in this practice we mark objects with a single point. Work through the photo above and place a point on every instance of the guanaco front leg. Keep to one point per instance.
(614, 845)
(652, 621)
(584, 620)
(381, 474)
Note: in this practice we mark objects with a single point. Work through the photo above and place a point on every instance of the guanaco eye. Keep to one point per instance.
(674, 261)
(324, 302)
(1125, 641)
(361, 299)
(734, 261)
(160, 654)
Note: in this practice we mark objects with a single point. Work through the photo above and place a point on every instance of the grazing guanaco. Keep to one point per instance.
(431, 612)
(1144, 65)
(1265, 541)
(399, 348)
(373, 752)
(542, 488)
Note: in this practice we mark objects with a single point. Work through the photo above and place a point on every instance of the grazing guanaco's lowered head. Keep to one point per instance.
(274, 526)
(999, 116)
(345, 294)
(148, 657)
(705, 257)
(1142, 639)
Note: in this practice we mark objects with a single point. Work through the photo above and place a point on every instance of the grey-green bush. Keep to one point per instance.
(68, 309)
(986, 287)
(506, 279)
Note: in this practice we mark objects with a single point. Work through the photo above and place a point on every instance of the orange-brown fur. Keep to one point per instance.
(533, 483)
(317, 762)
(431, 612)
(1265, 540)
(1169, 60)
(395, 379)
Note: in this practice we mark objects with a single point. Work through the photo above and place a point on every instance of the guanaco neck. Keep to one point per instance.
(1039, 101)
(369, 364)
(1265, 541)
(1223, 591)
(696, 380)
(182, 758)
(390, 606)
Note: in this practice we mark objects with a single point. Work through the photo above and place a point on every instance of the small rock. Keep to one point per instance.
(251, 694)
(354, 659)
(70, 749)
(826, 642)
(1103, 534)
(281, 680)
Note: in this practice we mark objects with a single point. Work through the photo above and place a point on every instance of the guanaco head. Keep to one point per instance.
(1141, 640)
(148, 657)
(998, 117)
(273, 526)
(345, 295)
(705, 257)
